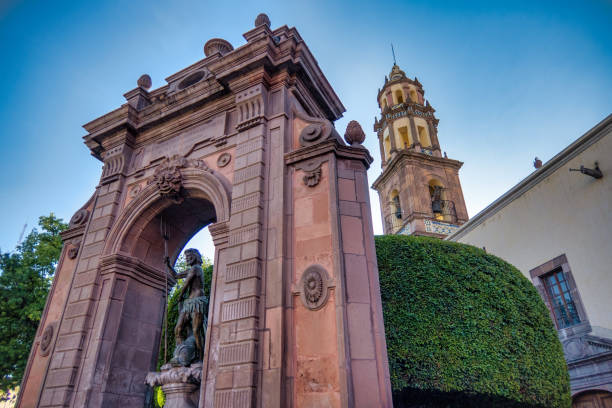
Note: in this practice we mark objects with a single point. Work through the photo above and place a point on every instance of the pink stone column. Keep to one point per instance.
(338, 340)
(367, 344)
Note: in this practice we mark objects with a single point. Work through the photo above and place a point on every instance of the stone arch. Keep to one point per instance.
(132, 278)
(198, 188)
(395, 202)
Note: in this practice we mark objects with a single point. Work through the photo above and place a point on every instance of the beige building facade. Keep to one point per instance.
(555, 227)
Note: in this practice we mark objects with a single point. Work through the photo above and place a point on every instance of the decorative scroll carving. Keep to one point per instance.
(314, 287)
(312, 171)
(168, 176)
(45, 341)
(224, 159)
(79, 218)
(311, 134)
(312, 178)
(317, 130)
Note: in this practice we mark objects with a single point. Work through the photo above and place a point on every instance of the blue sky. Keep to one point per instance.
(509, 80)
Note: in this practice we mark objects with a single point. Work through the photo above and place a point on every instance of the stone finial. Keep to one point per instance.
(217, 45)
(262, 19)
(396, 73)
(144, 82)
(354, 133)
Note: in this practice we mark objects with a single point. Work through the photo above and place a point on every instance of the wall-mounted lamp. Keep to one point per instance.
(595, 173)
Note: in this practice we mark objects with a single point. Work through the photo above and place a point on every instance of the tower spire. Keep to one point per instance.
(393, 52)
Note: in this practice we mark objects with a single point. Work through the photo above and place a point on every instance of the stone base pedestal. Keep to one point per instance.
(181, 385)
(181, 395)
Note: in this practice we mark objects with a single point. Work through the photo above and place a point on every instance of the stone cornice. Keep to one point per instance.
(398, 81)
(136, 269)
(72, 233)
(405, 109)
(600, 130)
(405, 157)
(282, 49)
(329, 146)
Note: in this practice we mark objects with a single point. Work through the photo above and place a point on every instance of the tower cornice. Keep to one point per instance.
(406, 157)
(405, 109)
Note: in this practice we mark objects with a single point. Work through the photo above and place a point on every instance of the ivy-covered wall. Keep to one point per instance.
(466, 329)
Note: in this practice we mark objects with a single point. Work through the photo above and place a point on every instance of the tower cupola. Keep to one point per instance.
(407, 119)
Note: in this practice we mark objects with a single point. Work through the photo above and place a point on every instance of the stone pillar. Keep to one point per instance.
(231, 359)
(433, 134)
(47, 334)
(392, 139)
(77, 346)
(338, 342)
(415, 134)
(383, 159)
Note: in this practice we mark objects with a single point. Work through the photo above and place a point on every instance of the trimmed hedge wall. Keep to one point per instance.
(466, 329)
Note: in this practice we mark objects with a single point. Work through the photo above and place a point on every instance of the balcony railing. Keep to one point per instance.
(442, 210)
(395, 223)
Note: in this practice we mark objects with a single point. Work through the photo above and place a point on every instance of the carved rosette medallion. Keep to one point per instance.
(314, 287)
(45, 341)
(134, 191)
(224, 159)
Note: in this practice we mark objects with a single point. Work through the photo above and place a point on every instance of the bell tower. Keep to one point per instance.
(419, 188)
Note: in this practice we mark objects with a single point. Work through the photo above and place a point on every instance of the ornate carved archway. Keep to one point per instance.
(242, 139)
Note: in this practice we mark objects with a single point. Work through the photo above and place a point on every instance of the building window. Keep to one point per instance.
(403, 132)
(555, 283)
(560, 298)
(395, 201)
(387, 147)
(413, 95)
(399, 97)
(423, 137)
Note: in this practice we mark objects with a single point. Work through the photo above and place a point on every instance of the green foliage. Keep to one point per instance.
(466, 329)
(25, 278)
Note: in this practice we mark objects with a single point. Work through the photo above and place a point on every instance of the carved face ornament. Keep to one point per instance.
(169, 181)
